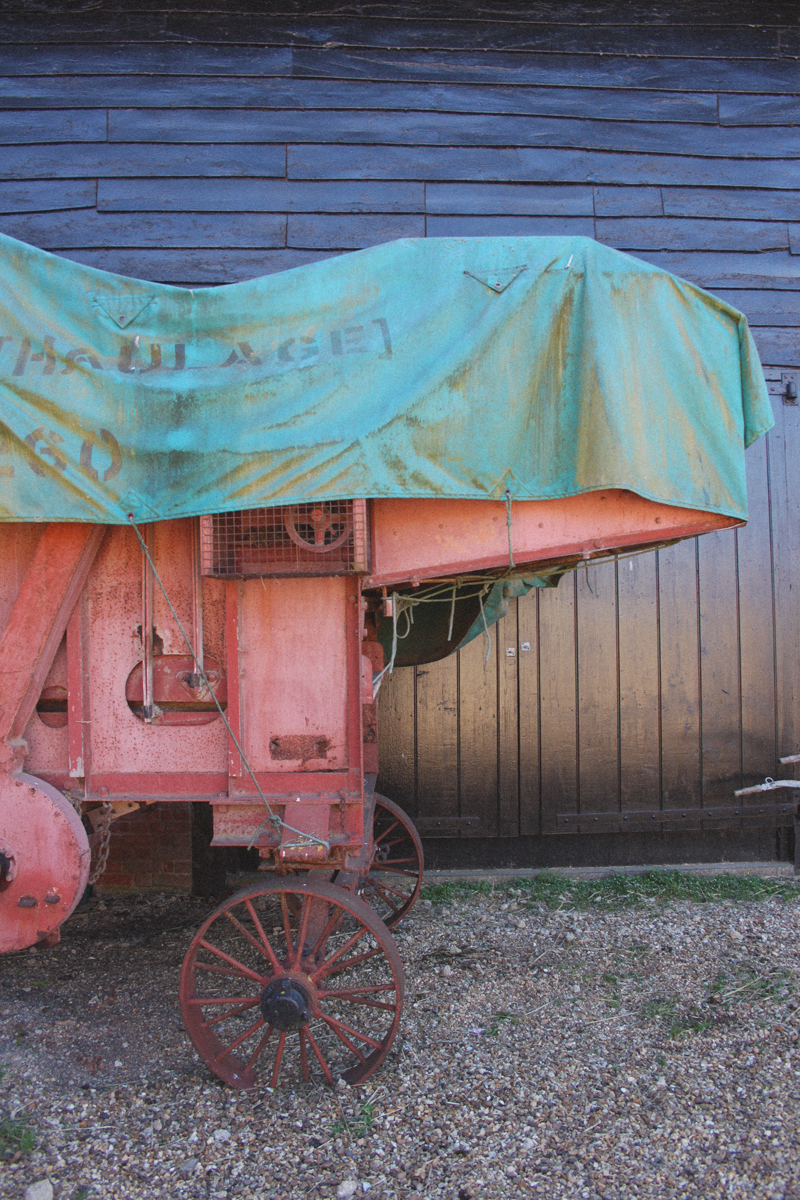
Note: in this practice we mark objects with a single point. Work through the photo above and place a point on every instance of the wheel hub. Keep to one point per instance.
(286, 1005)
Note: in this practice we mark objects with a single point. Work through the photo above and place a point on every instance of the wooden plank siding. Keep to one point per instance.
(204, 147)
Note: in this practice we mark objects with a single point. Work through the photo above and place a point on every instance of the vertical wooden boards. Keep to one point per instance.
(530, 820)
(508, 723)
(477, 720)
(756, 625)
(720, 667)
(783, 455)
(598, 681)
(679, 650)
(639, 684)
(397, 738)
(437, 738)
(558, 701)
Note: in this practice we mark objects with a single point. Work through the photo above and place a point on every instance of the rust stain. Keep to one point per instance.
(299, 747)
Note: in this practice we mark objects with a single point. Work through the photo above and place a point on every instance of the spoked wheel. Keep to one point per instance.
(392, 885)
(291, 979)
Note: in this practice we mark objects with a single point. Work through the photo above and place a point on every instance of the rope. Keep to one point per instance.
(508, 524)
(273, 817)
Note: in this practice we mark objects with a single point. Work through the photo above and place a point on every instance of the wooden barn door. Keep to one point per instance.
(661, 681)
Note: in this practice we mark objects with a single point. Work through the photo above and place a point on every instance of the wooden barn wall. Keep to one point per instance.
(206, 147)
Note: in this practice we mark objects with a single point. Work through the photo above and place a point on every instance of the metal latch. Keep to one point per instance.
(789, 380)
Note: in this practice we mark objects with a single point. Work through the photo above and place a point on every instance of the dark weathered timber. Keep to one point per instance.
(44, 195)
(767, 308)
(769, 269)
(779, 343)
(267, 93)
(437, 749)
(741, 203)
(81, 161)
(558, 703)
(704, 42)
(720, 674)
(759, 110)
(598, 680)
(640, 745)
(398, 740)
(86, 228)
(744, 74)
(755, 569)
(628, 202)
(671, 233)
(679, 655)
(477, 734)
(442, 129)
(62, 125)
(508, 782)
(495, 164)
(325, 231)
(508, 199)
(529, 715)
(193, 266)
(483, 226)
(257, 195)
(93, 61)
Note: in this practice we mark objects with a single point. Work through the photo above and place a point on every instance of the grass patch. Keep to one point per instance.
(16, 1137)
(358, 1126)
(690, 1022)
(749, 985)
(618, 891)
(499, 1019)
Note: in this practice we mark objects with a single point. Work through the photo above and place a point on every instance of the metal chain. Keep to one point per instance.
(103, 828)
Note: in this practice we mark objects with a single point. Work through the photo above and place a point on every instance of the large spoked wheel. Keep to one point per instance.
(292, 979)
(392, 885)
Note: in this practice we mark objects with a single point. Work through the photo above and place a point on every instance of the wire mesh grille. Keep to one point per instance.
(325, 538)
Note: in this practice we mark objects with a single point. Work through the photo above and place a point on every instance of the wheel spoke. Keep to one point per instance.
(367, 989)
(338, 967)
(304, 1055)
(240, 967)
(353, 1049)
(234, 1012)
(382, 893)
(278, 1057)
(301, 932)
(340, 1025)
(327, 965)
(312, 1041)
(211, 967)
(287, 924)
(334, 921)
(395, 891)
(259, 1048)
(223, 1000)
(241, 1038)
(246, 934)
(271, 955)
(355, 999)
(379, 867)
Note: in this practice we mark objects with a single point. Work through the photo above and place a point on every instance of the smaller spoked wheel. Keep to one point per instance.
(317, 527)
(289, 980)
(392, 885)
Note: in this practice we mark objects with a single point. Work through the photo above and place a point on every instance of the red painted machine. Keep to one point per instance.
(233, 659)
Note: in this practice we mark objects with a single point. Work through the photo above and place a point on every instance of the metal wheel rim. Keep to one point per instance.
(407, 862)
(254, 1051)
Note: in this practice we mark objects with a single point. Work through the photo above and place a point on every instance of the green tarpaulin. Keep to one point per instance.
(440, 367)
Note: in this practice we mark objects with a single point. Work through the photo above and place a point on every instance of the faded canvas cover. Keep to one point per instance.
(419, 368)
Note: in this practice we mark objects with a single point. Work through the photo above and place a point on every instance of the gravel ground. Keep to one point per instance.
(603, 1052)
